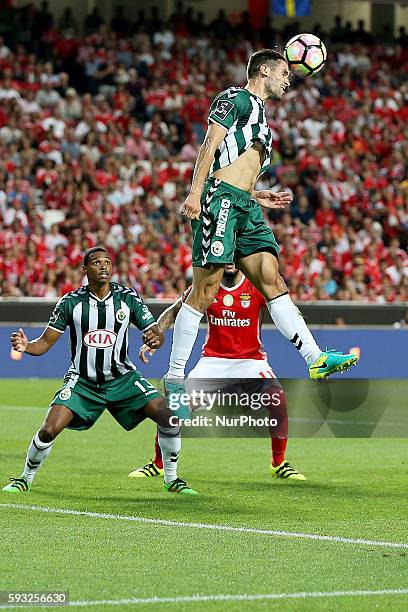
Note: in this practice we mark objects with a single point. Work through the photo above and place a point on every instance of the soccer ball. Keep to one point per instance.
(305, 54)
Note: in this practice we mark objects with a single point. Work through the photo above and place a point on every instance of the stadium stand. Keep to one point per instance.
(99, 134)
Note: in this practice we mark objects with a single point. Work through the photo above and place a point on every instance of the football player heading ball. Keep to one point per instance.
(227, 221)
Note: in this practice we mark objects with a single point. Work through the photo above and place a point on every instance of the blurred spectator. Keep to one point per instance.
(93, 21)
(99, 136)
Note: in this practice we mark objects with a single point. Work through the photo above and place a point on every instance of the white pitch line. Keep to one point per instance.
(260, 597)
(349, 422)
(226, 597)
(226, 528)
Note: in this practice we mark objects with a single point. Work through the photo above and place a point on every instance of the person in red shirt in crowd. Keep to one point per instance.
(340, 142)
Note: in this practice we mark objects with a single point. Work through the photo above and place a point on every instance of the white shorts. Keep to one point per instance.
(218, 367)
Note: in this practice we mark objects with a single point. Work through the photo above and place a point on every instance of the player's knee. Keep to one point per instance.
(202, 298)
(277, 411)
(48, 432)
(209, 293)
(159, 411)
(280, 399)
(277, 397)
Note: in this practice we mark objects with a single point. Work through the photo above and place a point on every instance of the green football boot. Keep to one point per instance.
(174, 390)
(180, 487)
(285, 471)
(17, 485)
(330, 362)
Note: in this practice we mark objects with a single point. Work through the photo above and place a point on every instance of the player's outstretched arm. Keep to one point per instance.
(165, 321)
(213, 138)
(36, 347)
(153, 337)
(272, 199)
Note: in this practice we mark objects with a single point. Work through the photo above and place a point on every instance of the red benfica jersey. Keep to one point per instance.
(234, 323)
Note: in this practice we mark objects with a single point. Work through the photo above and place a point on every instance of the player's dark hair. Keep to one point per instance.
(263, 56)
(95, 249)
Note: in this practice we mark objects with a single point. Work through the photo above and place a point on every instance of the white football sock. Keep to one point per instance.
(170, 445)
(37, 452)
(290, 322)
(184, 336)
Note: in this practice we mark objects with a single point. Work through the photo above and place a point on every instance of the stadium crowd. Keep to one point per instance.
(99, 135)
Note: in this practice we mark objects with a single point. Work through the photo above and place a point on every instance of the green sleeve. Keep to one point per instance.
(140, 315)
(59, 316)
(225, 110)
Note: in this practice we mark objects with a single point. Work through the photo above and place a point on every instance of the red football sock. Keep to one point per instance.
(278, 450)
(279, 434)
(158, 459)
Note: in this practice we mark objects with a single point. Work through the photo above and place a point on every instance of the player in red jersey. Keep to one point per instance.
(238, 307)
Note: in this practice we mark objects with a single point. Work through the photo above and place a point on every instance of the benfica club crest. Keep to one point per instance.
(245, 299)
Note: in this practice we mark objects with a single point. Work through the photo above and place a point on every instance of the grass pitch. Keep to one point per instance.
(355, 489)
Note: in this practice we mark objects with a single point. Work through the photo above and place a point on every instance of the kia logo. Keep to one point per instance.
(100, 338)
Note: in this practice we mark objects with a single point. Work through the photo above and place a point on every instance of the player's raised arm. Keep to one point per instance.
(141, 316)
(213, 138)
(55, 328)
(36, 347)
(168, 316)
(153, 337)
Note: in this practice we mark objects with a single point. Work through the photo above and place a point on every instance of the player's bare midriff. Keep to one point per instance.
(244, 171)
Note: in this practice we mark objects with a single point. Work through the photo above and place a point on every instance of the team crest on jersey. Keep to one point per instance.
(100, 338)
(245, 300)
(217, 248)
(228, 300)
(65, 394)
(120, 315)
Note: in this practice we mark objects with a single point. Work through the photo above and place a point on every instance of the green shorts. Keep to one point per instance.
(231, 226)
(124, 397)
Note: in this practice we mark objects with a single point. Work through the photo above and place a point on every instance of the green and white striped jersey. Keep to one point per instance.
(242, 114)
(99, 330)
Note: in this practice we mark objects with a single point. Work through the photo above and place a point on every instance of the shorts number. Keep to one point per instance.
(147, 388)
